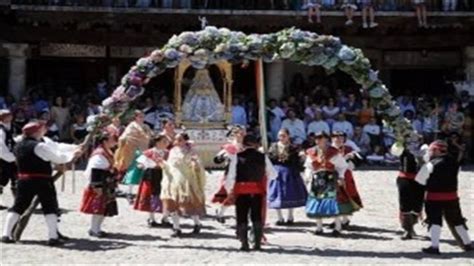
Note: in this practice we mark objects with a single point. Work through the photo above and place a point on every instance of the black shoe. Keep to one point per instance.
(280, 222)
(336, 233)
(468, 247)
(332, 225)
(54, 242)
(165, 223)
(99, 234)
(318, 232)
(245, 246)
(345, 225)
(407, 236)
(220, 220)
(431, 250)
(290, 222)
(152, 223)
(63, 237)
(176, 233)
(7, 240)
(3, 207)
(197, 229)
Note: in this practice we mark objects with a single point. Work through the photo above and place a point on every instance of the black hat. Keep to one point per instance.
(338, 133)
(321, 134)
(250, 140)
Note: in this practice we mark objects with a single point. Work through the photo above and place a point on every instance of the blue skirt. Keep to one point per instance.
(322, 199)
(134, 174)
(287, 190)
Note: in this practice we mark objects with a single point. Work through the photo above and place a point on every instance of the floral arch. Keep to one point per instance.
(212, 44)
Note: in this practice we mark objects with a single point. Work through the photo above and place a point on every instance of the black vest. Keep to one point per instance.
(9, 142)
(28, 162)
(250, 166)
(444, 177)
(408, 162)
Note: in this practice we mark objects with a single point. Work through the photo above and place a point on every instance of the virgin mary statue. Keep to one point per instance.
(202, 103)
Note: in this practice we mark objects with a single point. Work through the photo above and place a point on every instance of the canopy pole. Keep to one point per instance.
(260, 85)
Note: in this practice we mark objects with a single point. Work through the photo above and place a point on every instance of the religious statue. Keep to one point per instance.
(202, 103)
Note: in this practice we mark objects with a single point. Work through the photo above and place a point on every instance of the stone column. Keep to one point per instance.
(17, 68)
(275, 79)
(469, 63)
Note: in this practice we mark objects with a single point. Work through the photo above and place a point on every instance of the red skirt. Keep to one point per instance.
(146, 200)
(103, 204)
(350, 190)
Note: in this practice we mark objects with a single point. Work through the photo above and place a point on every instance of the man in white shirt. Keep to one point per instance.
(295, 126)
(318, 124)
(239, 115)
(246, 183)
(7, 158)
(34, 157)
(373, 131)
(343, 125)
(276, 117)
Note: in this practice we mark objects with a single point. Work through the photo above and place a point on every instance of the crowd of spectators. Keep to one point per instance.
(304, 113)
(384, 5)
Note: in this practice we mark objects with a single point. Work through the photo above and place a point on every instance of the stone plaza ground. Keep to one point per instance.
(374, 236)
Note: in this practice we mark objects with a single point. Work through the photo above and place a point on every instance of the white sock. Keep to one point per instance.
(10, 221)
(337, 224)
(52, 224)
(319, 224)
(152, 216)
(130, 189)
(435, 233)
(196, 220)
(175, 218)
(290, 214)
(345, 219)
(466, 240)
(222, 210)
(95, 223)
(280, 215)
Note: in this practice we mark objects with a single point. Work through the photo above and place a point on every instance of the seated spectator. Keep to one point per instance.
(93, 108)
(374, 131)
(453, 119)
(343, 125)
(417, 123)
(420, 9)
(368, 11)
(388, 136)
(39, 103)
(318, 125)
(295, 126)
(330, 111)
(366, 112)
(276, 115)
(78, 130)
(314, 10)
(239, 116)
(405, 104)
(450, 5)
(53, 129)
(310, 111)
(351, 108)
(164, 105)
(430, 123)
(19, 120)
(362, 140)
(349, 7)
(151, 113)
(27, 108)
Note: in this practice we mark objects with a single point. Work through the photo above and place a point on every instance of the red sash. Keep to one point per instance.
(406, 175)
(442, 196)
(241, 188)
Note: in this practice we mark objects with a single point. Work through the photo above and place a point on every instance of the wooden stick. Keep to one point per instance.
(63, 182)
(73, 169)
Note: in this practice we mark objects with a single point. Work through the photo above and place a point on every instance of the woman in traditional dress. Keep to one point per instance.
(347, 196)
(182, 188)
(236, 135)
(287, 190)
(325, 169)
(148, 197)
(168, 129)
(134, 140)
(99, 196)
